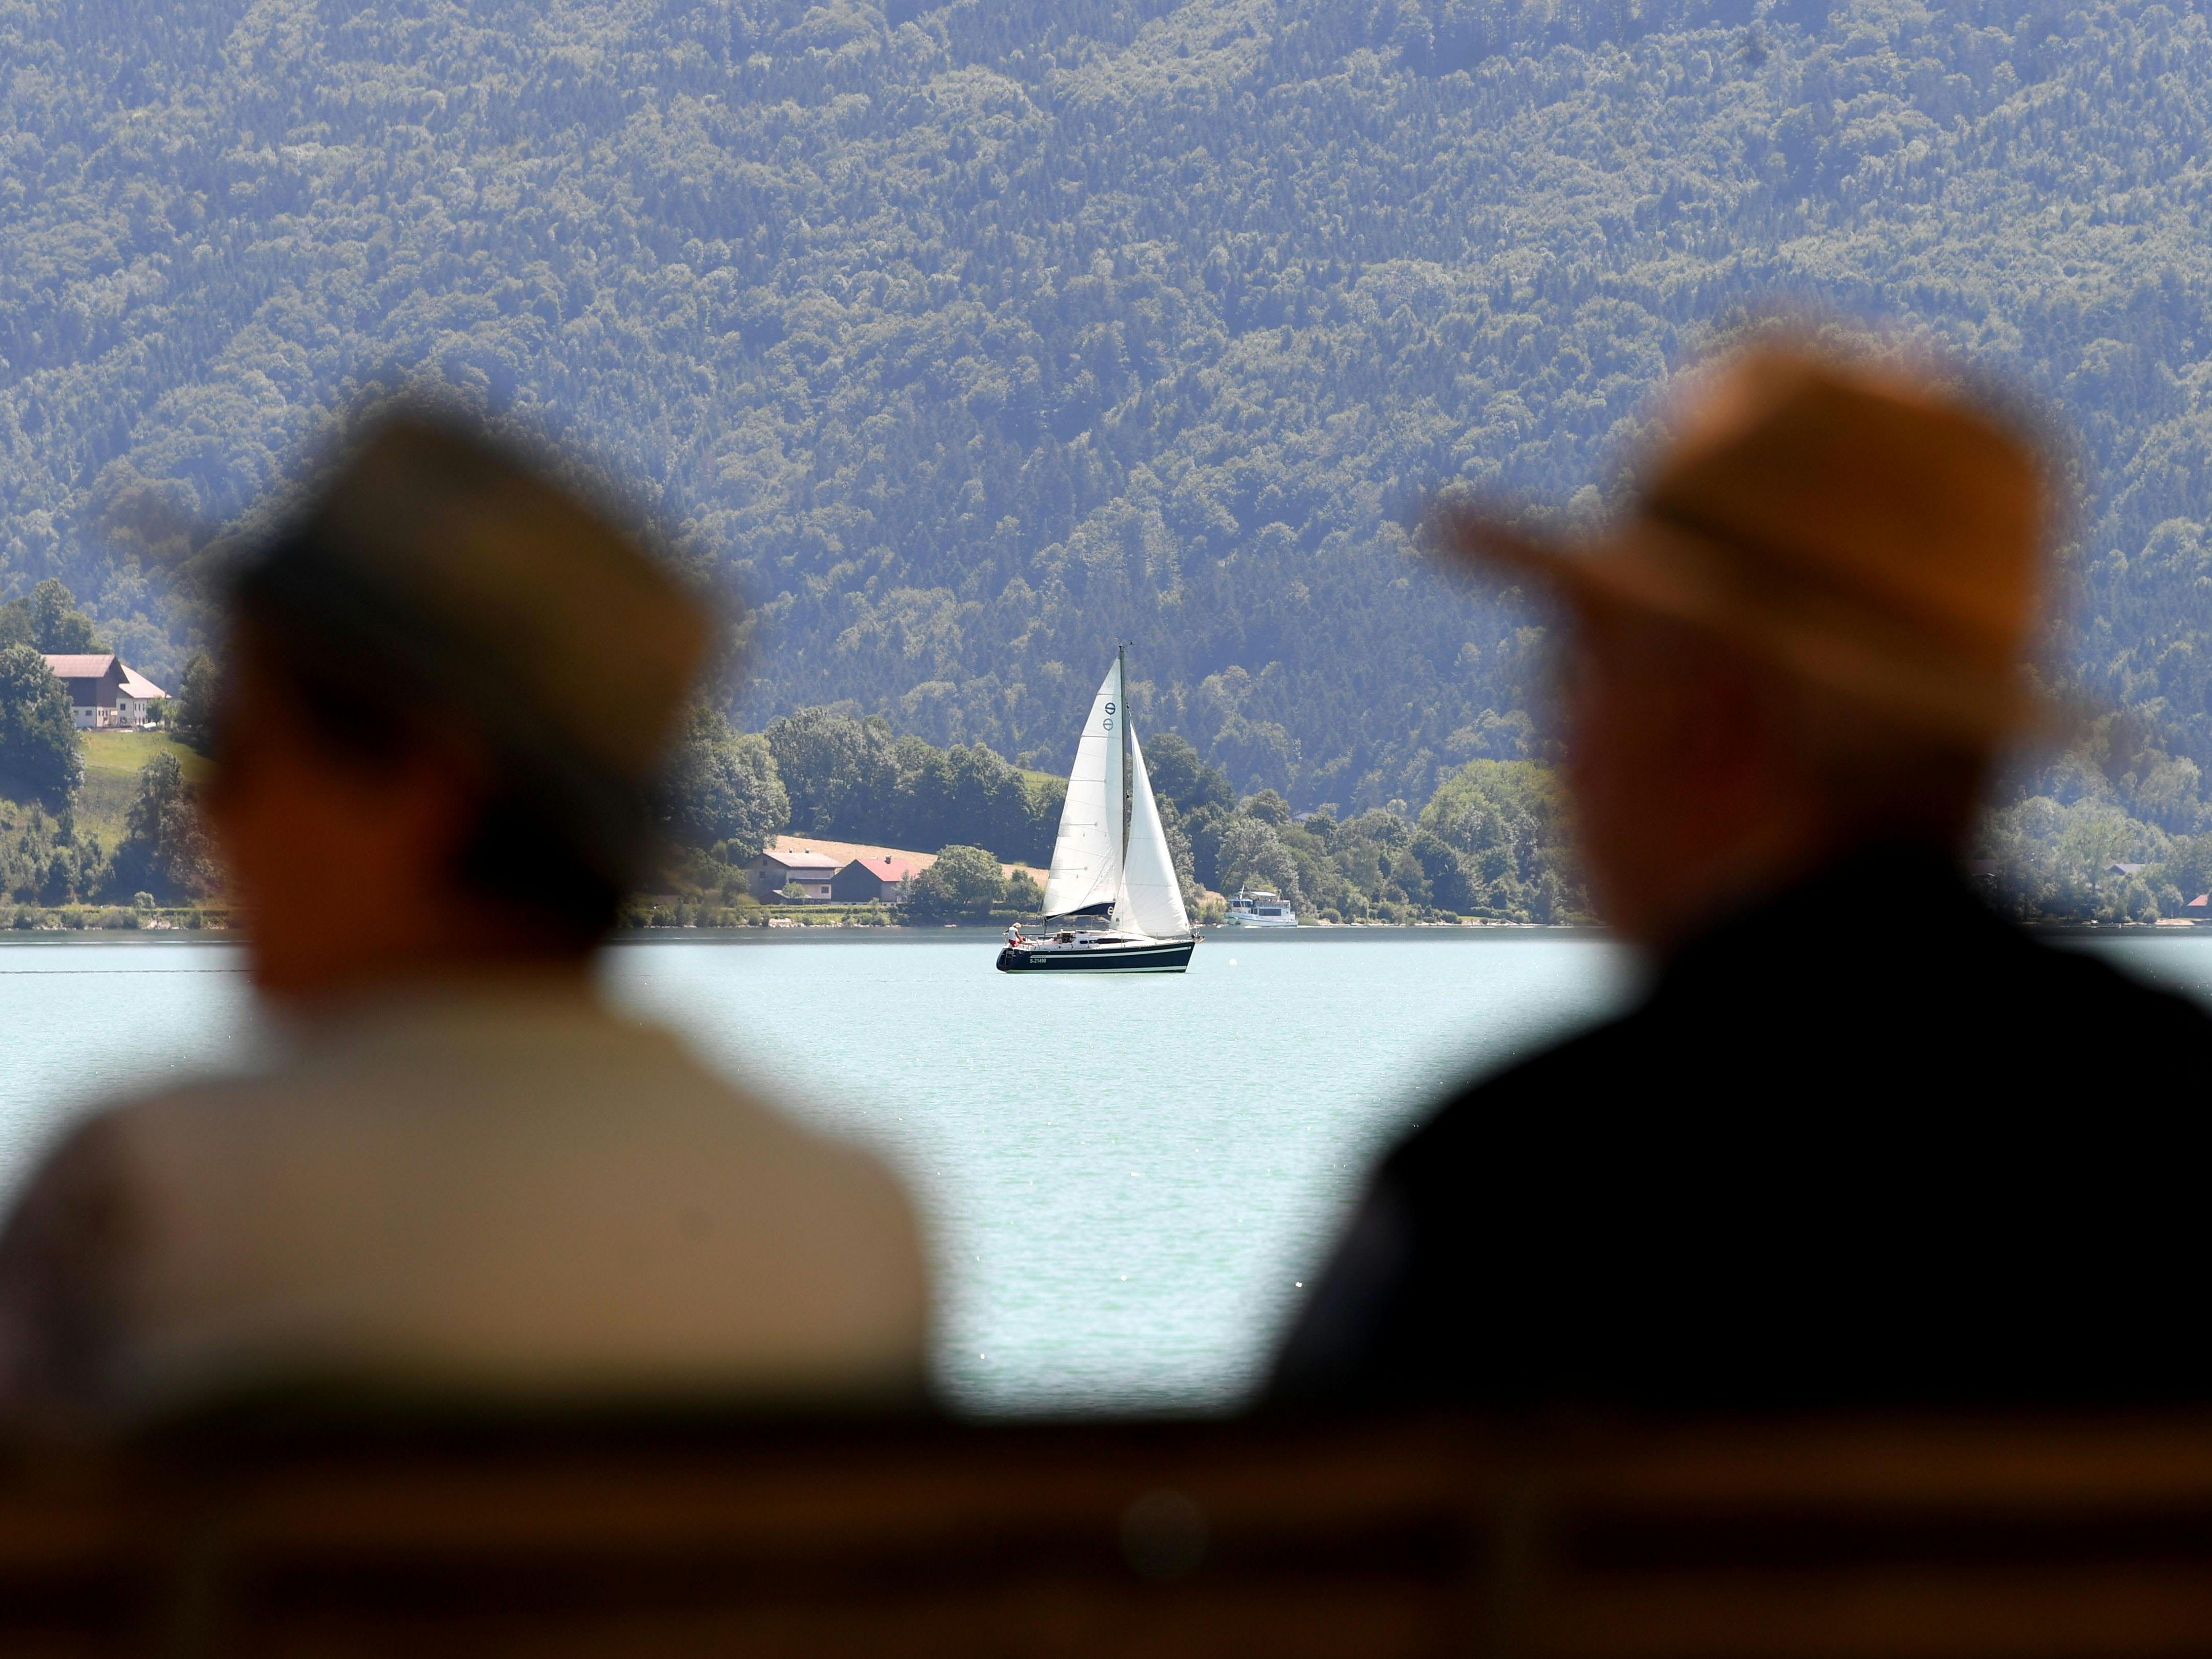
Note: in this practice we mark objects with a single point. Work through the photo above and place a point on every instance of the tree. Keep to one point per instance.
(56, 625)
(990, 805)
(37, 859)
(2187, 866)
(850, 777)
(1449, 889)
(40, 758)
(1506, 821)
(837, 771)
(964, 884)
(1022, 893)
(1181, 778)
(1203, 830)
(164, 850)
(192, 719)
(15, 626)
(966, 793)
(721, 789)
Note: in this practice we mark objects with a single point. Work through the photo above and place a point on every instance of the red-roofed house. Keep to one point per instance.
(105, 691)
(881, 878)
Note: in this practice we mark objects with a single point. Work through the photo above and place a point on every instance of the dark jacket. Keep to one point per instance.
(1863, 1143)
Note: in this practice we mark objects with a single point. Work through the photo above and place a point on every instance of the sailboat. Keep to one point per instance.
(1113, 903)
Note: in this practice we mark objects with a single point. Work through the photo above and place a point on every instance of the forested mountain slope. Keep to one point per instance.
(973, 338)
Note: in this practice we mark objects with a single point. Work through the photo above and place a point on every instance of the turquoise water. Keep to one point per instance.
(1126, 1179)
(1127, 1176)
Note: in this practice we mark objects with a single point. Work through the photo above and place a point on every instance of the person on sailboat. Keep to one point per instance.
(1111, 863)
(1861, 1142)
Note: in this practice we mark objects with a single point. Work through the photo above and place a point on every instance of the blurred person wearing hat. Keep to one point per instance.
(1859, 1142)
(450, 684)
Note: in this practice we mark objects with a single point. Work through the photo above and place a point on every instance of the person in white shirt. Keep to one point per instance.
(449, 686)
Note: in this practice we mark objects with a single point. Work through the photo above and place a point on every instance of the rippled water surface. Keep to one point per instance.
(1126, 1177)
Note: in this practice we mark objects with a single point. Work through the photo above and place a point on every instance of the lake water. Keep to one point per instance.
(1126, 1179)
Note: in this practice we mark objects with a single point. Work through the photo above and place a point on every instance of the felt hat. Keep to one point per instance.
(468, 579)
(1872, 533)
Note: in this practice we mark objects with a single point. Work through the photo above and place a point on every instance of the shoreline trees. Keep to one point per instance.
(41, 758)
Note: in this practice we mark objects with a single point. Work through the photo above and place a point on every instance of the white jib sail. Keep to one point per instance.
(1152, 897)
(1086, 857)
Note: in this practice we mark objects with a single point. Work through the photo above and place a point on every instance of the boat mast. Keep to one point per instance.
(1129, 793)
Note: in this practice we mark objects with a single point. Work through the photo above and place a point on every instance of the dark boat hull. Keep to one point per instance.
(1164, 956)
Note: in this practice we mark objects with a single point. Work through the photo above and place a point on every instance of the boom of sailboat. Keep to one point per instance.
(1113, 903)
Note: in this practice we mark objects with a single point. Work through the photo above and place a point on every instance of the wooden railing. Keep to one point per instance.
(1807, 1540)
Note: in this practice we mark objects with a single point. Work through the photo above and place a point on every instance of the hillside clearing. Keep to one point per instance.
(112, 760)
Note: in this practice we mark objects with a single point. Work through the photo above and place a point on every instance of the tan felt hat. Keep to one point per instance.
(1870, 532)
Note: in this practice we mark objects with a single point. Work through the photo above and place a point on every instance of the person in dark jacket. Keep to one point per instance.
(1861, 1142)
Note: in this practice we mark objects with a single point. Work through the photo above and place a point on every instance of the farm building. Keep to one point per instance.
(880, 877)
(105, 691)
(773, 871)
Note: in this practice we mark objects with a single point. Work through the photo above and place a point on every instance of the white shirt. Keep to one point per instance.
(511, 1189)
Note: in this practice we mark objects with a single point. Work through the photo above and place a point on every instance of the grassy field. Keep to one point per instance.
(112, 763)
(126, 752)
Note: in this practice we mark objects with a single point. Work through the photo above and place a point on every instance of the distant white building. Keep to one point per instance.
(104, 691)
(773, 871)
(134, 702)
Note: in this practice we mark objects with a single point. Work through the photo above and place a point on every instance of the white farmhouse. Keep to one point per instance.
(104, 691)
(773, 871)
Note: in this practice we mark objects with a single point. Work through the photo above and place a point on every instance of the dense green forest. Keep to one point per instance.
(966, 340)
(1491, 843)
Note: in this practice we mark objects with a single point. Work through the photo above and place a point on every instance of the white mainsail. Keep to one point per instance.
(1086, 857)
(1151, 901)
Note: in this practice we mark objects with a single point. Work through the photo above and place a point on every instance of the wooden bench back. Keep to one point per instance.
(1828, 1540)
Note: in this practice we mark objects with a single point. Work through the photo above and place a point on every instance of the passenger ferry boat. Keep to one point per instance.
(1113, 903)
(1264, 909)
